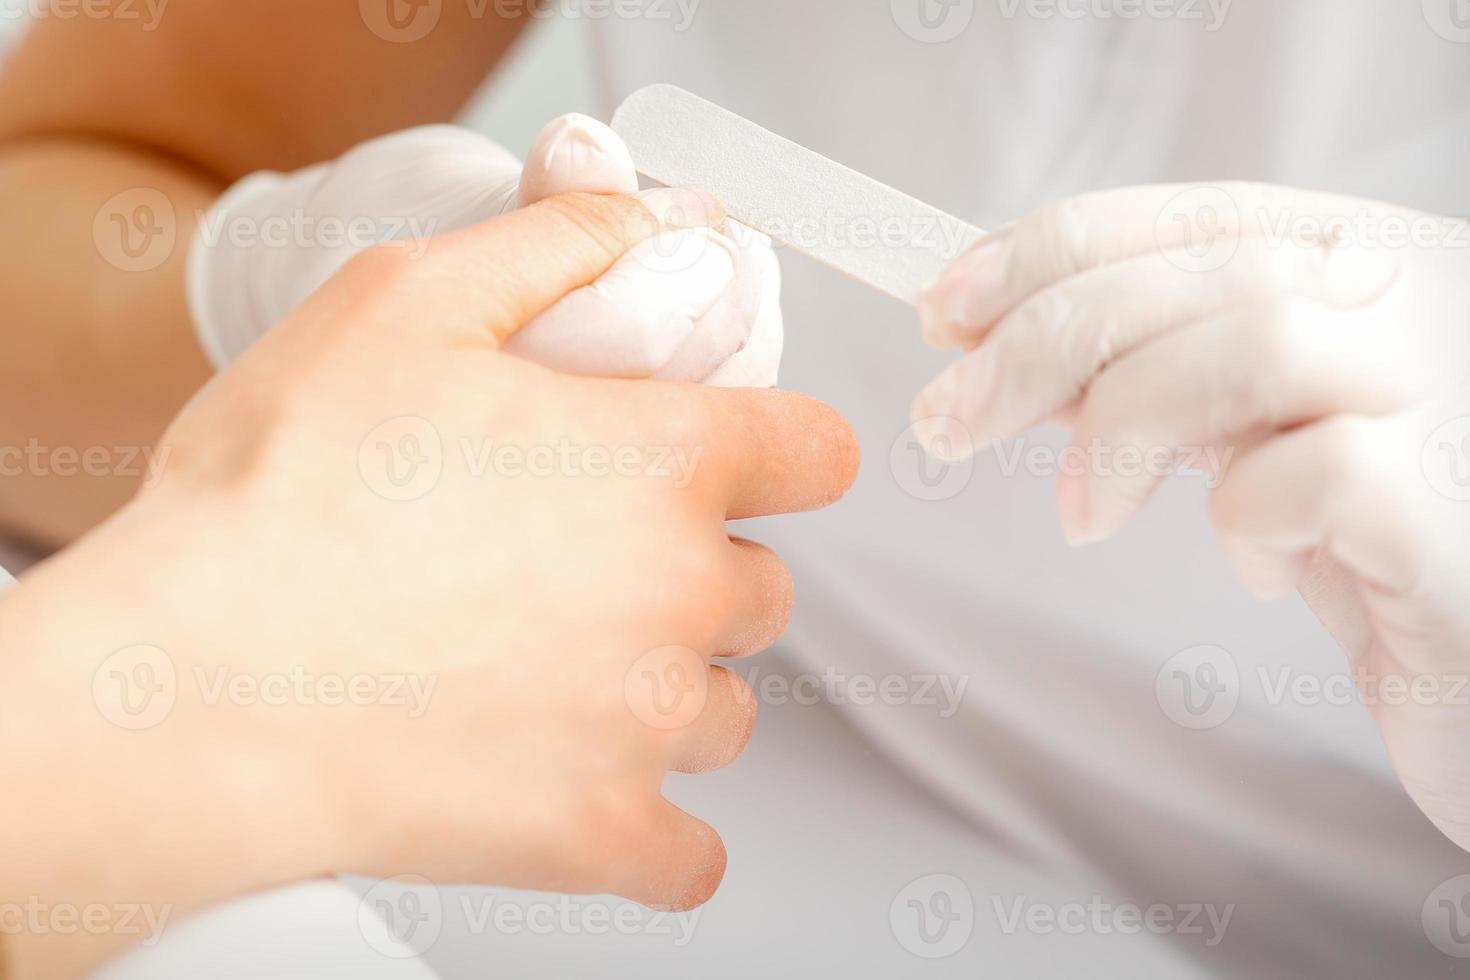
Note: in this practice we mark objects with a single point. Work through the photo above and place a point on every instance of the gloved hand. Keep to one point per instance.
(687, 306)
(1323, 341)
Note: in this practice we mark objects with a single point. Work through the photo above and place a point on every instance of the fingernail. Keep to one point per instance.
(1072, 506)
(679, 207)
(944, 438)
(1268, 577)
(954, 309)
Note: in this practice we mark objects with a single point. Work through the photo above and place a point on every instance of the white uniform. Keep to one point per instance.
(1011, 837)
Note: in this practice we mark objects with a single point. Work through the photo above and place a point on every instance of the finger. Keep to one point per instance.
(674, 862)
(719, 735)
(1043, 355)
(763, 607)
(725, 330)
(1362, 492)
(758, 364)
(771, 452)
(485, 283)
(577, 153)
(631, 322)
(1215, 384)
(1094, 230)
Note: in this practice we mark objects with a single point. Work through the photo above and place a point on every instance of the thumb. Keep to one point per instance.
(485, 283)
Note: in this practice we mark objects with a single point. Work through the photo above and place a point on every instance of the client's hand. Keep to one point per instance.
(406, 604)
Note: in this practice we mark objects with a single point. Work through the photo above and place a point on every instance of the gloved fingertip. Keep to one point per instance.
(576, 153)
(944, 437)
(1075, 514)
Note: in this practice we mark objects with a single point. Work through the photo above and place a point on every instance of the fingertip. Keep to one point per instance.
(577, 153)
(844, 453)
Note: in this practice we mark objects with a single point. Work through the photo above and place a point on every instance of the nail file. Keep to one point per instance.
(836, 215)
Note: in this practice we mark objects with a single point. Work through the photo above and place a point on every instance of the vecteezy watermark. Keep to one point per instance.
(407, 21)
(1201, 688)
(1101, 917)
(667, 688)
(1446, 917)
(401, 917)
(858, 231)
(138, 230)
(933, 21)
(1016, 457)
(403, 460)
(146, 13)
(944, 693)
(138, 687)
(406, 915)
(36, 459)
(570, 915)
(933, 917)
(1446, 460)
(142, 923)
(300, 229)
(1450, 19)
(1287, 685)
(1210, 14)
(1201, 228)
(934, 460)
(1198, 688)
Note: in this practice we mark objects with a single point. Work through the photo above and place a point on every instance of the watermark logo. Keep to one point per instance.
(933, 21)
(1211, 14)
(147, 13)
(34, 916)
(1446, 460)
(1450, 19)
(1199, 688)
(933, 460)
(1446, 917)
(401, 917)
(1194, 229)
(667, 688)
(136, 230)
(933, 917)
(1101, 917)
(401, 21)
(944, 693)
(402, 460)
(136, 687)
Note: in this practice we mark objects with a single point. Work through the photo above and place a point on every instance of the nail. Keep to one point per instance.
(957, 307)
(678, 207)
(943, 436)
(1075, 512)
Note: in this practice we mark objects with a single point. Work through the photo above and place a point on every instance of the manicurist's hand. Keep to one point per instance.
(1316, 344)
(405, 604)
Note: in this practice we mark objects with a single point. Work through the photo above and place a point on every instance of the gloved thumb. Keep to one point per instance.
(484, 283)
(577, 154)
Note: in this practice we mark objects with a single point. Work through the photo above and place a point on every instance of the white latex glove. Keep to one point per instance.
(1324, 341)
(687, 306)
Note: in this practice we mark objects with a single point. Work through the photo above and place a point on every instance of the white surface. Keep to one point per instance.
(790, 193)
(315, 931)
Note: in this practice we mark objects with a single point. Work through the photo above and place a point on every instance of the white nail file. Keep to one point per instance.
(838, 216)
